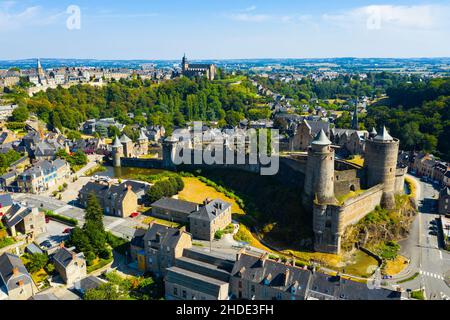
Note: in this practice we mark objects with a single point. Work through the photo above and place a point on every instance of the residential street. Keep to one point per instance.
(422, 248)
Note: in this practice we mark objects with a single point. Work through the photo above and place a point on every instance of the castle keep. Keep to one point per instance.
(341, 196)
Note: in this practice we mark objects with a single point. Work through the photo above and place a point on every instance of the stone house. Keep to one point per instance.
(70, 265)
(304, 133)
(351, 140)
(162, 245)
(24, 220)
(444, 201)
(173, 209)
(212, 216)
(116, 200)
(198, 275)
(259, 278)
(43, 175)
(15, 281)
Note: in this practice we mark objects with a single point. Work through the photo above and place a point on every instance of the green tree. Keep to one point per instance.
(20, 114)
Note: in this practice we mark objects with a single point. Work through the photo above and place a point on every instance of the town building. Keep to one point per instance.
(212, 216)
(28, 221)
(444, 201)
(115, 199)
(199, 275)
(43, 175)
(71, 266)
(174, 210)
(305, 132)
(161, 246)
(15, 281)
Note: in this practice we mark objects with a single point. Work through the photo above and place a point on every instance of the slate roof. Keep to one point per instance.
(90, 282)
(117, 143)
(321, 139)
(169, 237)
(211, 210)
(383, 136)
(8, 262)
(124, 139)
(271, 273)
(194, 281)
(16, 214)
(64, 256)
(316, 126)
(175, 205)
(5, 200)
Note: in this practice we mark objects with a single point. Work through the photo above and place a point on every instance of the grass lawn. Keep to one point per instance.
(7, 241)
(39, 276)
(341, 199)
(357, 159)
(149, 220)
(245, 235)
(418, 294)
(98, 263)
(197, 191)
(395, 266)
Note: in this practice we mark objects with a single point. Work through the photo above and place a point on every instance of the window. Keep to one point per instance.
(240, 284)
(175, 291)
(252, 288)
(183, 294)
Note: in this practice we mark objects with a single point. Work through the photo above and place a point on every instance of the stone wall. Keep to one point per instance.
(400, 180)
(330, 221)
(346, 181)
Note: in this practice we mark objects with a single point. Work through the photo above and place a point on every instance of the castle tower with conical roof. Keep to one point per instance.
(117, 152)
(319, 178)
(128, 146)
(381, 165)
(142, 143)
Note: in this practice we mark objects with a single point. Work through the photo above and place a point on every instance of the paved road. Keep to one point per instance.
(426, 257)
(124, 228)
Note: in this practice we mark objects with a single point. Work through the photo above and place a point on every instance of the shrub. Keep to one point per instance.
(218, 235)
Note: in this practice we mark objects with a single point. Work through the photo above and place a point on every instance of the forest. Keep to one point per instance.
(418, 114)
(171, 103)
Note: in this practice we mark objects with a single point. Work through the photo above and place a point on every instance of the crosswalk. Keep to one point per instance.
(432, 275)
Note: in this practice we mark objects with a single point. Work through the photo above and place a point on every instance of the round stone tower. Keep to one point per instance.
(381, 163)
(319, 178)
(143, 143)
(168, 152)
(117, 152)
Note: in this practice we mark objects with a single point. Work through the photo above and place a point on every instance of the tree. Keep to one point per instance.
(113, 131)
(107, 291)
(94, 212)
(20, 114)
(36, 262)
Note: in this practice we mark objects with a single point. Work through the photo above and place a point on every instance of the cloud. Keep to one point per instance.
(392, 16)
(12, 18)
(246, 17)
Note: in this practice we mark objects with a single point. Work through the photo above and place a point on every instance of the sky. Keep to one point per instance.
(223, 29)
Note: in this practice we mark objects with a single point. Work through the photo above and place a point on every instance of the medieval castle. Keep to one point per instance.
(336, 192)
(126, 148)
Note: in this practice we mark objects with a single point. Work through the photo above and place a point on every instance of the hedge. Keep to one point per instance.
(63, 219)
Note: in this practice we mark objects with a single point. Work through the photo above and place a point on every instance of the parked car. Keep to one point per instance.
(46, 244)
(47, 219)
(67, 230)
(134, 214)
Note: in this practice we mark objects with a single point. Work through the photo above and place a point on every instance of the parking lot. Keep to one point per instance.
(54, 234)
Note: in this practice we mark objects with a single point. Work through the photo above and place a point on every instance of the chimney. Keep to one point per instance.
(15, 271)
(20, 283)
(61, 245)
(129, 187)
(286, 277)
(239, 253)
(74, 255)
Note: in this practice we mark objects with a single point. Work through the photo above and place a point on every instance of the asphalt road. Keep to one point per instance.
(121, 227)
(423, 249)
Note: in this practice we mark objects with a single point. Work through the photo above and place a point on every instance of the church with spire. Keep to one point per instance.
(192, 70)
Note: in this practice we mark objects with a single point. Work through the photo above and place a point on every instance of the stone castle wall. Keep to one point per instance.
(330, 221)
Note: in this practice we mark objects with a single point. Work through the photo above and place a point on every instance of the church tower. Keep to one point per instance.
(319, 179)
(381, 164)
(117, 152)
(184, 64)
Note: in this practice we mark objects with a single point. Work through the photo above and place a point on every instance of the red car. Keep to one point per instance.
(67, 230)
(47, 219)
(134, 214)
